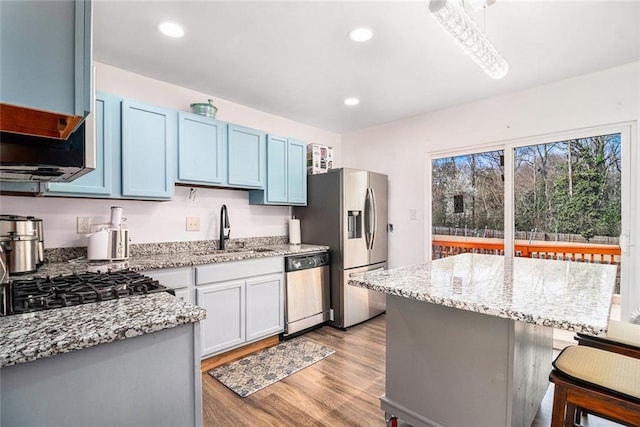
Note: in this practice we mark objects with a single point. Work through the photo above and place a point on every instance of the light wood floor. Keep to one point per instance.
(341, 390)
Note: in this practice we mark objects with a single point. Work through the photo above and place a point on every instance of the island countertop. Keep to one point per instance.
(31, 336)
(574, 296)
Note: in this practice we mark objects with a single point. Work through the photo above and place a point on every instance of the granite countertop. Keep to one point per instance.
(32, 336)
(573, 296)
(175, 259)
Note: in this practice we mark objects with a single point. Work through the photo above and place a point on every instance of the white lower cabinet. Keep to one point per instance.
(265, 306)
(224, 325)
(244, 302)
(183, 294)
(178, 279)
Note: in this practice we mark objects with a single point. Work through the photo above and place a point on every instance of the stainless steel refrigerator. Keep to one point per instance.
(347, 210)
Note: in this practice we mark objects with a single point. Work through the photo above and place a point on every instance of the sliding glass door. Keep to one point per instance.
(564, 197)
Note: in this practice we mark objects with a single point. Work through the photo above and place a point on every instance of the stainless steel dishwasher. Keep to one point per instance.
(307, 291)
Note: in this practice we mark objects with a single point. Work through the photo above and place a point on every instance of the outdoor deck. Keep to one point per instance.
(443, 246)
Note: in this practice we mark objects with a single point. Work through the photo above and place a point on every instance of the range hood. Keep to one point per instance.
(33, 158)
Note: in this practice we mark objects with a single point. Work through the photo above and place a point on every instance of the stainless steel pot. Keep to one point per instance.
(20, 241)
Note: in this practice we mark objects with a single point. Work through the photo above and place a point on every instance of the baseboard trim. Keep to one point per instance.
(237, 353)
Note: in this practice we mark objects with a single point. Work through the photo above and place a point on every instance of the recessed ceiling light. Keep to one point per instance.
(361, 35)
(351, 101)
(171, 29)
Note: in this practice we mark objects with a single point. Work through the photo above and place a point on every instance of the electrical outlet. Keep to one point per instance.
(193, 223)
(83, 225)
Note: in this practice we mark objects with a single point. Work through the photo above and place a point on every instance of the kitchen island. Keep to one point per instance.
(469, 337)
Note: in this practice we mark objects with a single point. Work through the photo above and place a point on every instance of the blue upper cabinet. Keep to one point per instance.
(46, 64)
(99, 125)
(286, 173)
(246, 160)
(148, 139)
(276, 191)
(201, 149)
(297, 172)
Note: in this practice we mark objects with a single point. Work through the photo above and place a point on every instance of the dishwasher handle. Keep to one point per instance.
(305, 262)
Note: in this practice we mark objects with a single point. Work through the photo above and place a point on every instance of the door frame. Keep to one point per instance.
(630, 155)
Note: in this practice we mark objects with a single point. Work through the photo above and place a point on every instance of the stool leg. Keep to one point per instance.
(559, 406)
(570, 416)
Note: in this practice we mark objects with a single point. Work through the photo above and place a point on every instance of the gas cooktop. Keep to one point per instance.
(25, 296)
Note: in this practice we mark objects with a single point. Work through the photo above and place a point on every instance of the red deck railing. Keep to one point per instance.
(572, 252)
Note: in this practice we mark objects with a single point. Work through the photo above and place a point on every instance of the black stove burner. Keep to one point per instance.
(64, 291)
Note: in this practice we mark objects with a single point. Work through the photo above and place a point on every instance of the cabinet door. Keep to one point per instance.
(246, 157)
(201, 142)
(297, 172)
(179, 279)
(98, 181)
(148, 136)
(265, 306)
(46, 55)
(224, 326)
(183, 294)
(276, 169)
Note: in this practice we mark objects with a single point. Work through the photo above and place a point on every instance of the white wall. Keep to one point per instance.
(165, 221)
(400, 149)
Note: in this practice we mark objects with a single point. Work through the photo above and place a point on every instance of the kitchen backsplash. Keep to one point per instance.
(195, 246)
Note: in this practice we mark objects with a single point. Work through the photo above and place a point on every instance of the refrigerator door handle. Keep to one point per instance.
(374, 226)
(367, 218)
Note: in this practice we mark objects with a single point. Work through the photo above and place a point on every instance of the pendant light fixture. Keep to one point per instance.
(457, 22)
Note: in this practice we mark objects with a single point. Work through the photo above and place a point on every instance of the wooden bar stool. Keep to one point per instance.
(599, 381)
(622, 337)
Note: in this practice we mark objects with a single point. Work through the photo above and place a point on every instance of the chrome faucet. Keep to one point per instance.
(225, 227)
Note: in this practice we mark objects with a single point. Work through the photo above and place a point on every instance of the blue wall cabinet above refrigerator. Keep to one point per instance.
(46, 63)
(286, 173)
(246, 155)
(201, 149)
(148, 139)
(99, 126)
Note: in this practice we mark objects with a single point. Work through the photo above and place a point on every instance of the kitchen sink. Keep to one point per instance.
(239, 251)
(229, 252)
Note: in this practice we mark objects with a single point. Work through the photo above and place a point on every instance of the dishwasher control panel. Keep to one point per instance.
(306, 261)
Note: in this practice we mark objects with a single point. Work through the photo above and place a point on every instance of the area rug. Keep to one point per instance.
(259, 370)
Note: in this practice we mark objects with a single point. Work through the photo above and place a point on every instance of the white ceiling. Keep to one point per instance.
(294, 58)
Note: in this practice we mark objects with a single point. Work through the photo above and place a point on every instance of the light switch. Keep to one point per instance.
(413, 214)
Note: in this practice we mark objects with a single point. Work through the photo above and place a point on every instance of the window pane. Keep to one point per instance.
(568, 199)
(468, 204)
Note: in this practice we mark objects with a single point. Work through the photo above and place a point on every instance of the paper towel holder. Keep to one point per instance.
(294, 231)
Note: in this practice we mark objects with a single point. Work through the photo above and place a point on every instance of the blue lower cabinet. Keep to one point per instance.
(286, 173)
(99, 125)
(148, 138)
(201, 149)
(246, 157)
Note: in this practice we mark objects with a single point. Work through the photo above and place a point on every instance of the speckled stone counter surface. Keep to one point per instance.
(182, 255)
(28, 337)
(561, 294)
(32, 336)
